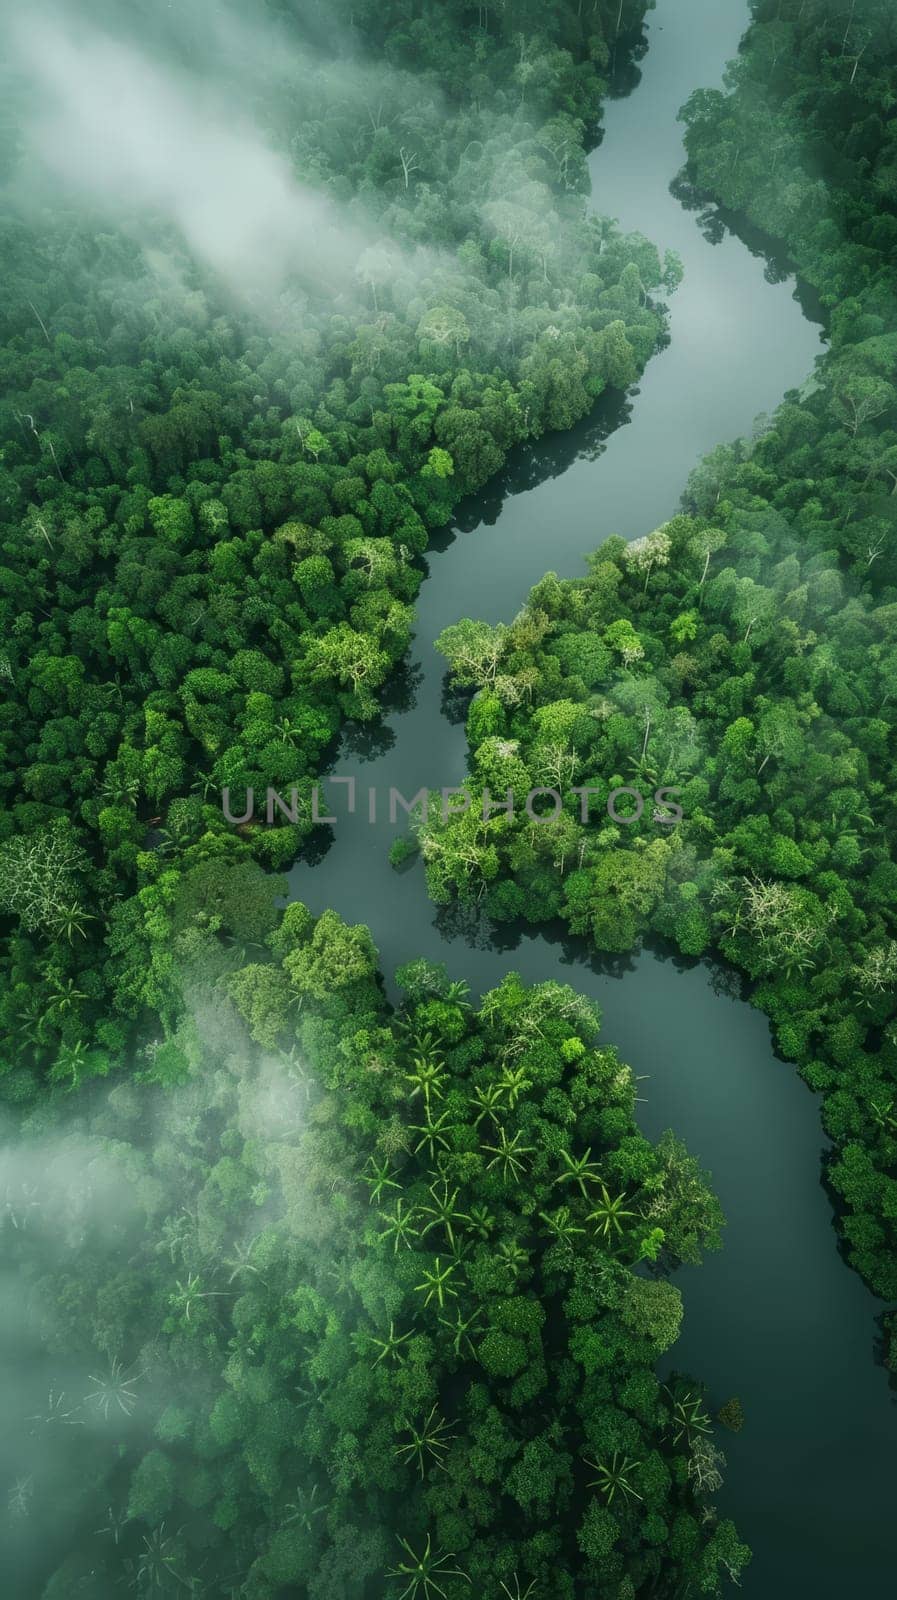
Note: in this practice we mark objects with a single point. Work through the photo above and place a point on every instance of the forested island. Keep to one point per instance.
(307, 1292)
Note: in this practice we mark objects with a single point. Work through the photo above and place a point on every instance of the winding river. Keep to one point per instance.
(776, 1317)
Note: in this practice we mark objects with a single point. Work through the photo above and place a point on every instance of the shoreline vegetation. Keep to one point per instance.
(746, 649)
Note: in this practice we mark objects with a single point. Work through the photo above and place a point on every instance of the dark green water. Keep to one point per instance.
(775, 1317)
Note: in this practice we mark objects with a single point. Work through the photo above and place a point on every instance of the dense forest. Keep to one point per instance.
(311, 1296)
(307, 1294)
(212, 512)
(743, 653)
(361, 1295)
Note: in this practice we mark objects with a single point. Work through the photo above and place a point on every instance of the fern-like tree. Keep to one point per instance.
(425, 1573)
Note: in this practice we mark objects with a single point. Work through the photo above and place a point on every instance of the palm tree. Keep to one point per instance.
(462, 1330)
(514, 1083)
(19, 1201)
(31, 1022)
(116, 1522)
(243, 950)
(297, 1069)
(378, 1179)
(512, 1256)
(115, 1389)
(457, 992)
(487, 1102)
(482, 1220)
(310, 1395)
(340, 1275)
(241, 1261)
(287, 731)
(423, 1044)
(70, 920)
(305, 1509)
(429, 1438)
(70, 1063)
(560, 1224)
(426, 1078)
(186, 1294)
(437, 1284)
(433, 1135)
(689, 1416)
(517, 1593)
(204, 785)
(579, 1170)
(390, 1348)
(120, 790)
(66, 996)
(57, 1411)
(609, 1213)
(425, 1571)
(159, 1560)
(613, 1475)
(400, 1227)
(444, 1211)
(882, 1114)
(510, 1153)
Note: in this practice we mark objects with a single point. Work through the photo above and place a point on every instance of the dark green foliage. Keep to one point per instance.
(743, 653)
(331, 1301)
(373, 1327)
(210, 529)
(731, 1415)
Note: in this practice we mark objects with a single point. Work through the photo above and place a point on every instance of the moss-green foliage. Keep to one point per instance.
(744, 652)
(374, 1291)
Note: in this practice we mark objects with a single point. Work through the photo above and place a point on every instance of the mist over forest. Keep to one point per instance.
(316, 1280)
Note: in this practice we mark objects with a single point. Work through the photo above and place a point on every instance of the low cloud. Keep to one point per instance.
(105, 125)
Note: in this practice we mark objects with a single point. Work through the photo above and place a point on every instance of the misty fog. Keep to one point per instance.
(154, 144)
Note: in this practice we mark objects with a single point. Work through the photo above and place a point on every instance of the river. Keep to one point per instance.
(775, 1317)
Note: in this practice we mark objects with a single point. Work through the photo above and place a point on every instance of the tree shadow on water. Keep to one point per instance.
(315, 846)
(455, 701)
(717, 223)
(467, 921)
(539, 460)
(367, 741)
